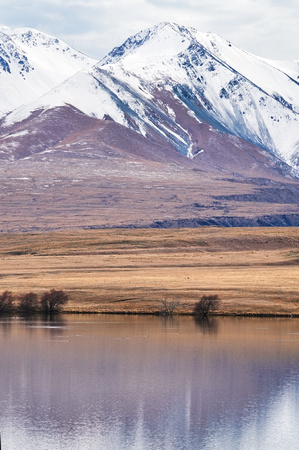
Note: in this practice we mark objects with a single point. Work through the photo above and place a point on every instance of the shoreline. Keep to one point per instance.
(145, 313)
(209, 316)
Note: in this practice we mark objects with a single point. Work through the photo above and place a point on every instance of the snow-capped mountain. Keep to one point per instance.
(172, 128)
(217, 82)
(32, 63)
(231, 89)
(165, 81)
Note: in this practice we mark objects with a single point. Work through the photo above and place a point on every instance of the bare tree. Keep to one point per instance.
(6, 302)
(168, 307)
(53, 301)
(206, 304)
(28, 303)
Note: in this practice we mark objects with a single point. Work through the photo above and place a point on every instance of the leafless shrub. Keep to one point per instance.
(6, 302)
(168, 307)
(28, 303)
(206, 304)
(53, 301)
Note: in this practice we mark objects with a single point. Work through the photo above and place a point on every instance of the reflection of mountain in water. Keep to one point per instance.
(146, 381)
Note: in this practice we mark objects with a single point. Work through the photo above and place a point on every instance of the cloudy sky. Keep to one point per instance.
(267, 28)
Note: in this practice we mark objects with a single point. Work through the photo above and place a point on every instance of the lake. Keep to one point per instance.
(146, 382)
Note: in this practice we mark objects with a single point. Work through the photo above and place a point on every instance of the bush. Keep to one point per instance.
(206, 304)
(52, 301)
(6, 302)
(28, 303)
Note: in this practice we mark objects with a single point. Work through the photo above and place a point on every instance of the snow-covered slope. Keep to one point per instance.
(233, 90)
(32, 63)
(167, 80)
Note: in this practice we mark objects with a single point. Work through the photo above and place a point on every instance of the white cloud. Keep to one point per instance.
(265, 27)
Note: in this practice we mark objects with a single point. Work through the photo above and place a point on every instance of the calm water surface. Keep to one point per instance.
(117, 382)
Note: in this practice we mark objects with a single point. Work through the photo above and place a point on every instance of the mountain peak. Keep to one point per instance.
(180, 29)
(163, 41)
(27, 37)
(166, 34)
(37, 59)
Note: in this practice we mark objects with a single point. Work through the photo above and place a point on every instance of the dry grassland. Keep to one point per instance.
(253, 270)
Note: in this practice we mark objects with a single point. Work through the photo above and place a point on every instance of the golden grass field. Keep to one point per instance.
(253, 270)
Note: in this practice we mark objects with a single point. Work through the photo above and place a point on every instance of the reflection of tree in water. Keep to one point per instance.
(207, 324)
(43, 323)
(169, 321)
(5, 325)
(53, 319)
(48, 321)
(53, 323)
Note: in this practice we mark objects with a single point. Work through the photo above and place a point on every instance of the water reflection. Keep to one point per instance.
(207, 324)
(149, 383)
